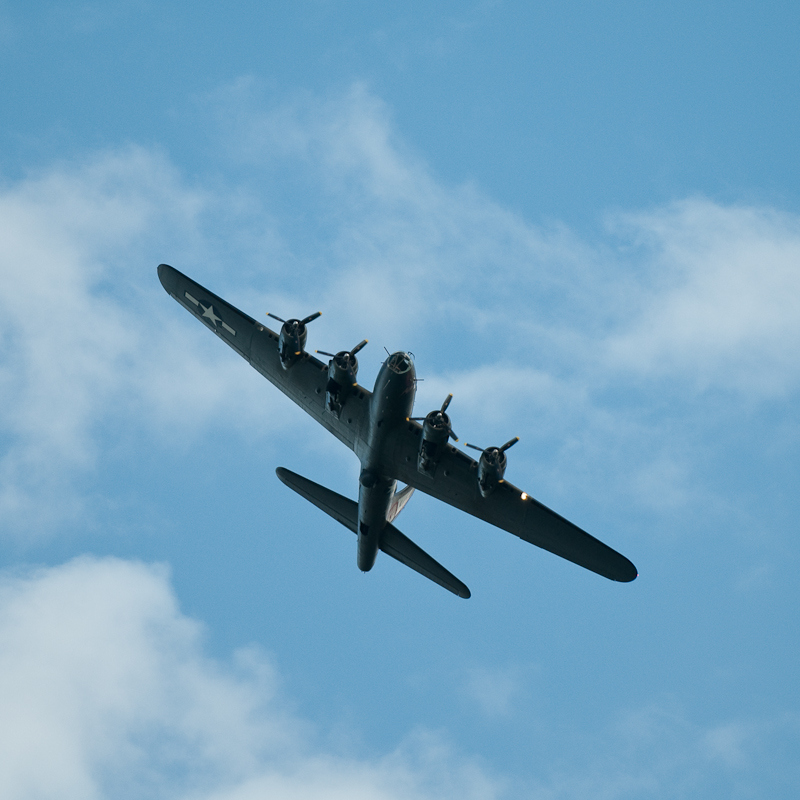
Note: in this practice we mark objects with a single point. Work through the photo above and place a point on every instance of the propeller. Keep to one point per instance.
(492, 466)
(342, 369)
(501, 449)
(440, 417)
(345, 354)
(295, 323)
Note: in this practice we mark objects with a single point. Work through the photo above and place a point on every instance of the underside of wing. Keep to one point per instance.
(393, 543)
(304, 382)
(455, 482)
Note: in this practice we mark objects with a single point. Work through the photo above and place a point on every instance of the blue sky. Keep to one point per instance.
(584, 221)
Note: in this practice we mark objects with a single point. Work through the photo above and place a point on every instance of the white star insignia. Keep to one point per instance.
(209, 314)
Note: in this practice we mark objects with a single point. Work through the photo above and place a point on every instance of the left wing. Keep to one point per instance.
(455, 482)
(304, 382)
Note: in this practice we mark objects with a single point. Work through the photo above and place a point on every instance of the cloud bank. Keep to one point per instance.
(107, 693)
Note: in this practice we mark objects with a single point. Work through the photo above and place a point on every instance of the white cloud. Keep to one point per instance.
(107, 693)
(87, 333)
(721, 301)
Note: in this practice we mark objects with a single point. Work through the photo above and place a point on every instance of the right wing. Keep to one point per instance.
(304, 382)
(456, 482)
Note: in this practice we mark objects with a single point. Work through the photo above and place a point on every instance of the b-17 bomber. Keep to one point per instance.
(391, 444)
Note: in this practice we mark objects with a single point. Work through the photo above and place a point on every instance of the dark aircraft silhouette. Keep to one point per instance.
(378, 427)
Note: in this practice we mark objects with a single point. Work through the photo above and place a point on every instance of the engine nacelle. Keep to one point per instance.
(492, 466)
(291, 342)
(342, 373)
(435, 433)
(292, 339)
(436, 430)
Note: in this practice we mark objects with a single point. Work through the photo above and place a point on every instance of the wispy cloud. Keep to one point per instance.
(495, 691)
(564, 338)
(696, 292)
(659, 750)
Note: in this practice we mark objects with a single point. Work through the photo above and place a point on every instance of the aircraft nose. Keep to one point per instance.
(400, 362)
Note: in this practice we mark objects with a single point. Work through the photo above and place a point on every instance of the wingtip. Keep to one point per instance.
(166, 274)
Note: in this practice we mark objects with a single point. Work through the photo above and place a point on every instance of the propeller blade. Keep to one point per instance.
(359, 346)
(310, 318)
(446, 403)
(473, 446)
(323, 353)
(453, 436)
(274, 317)
(509, 443)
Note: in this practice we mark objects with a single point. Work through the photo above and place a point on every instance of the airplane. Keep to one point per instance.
(391, 445)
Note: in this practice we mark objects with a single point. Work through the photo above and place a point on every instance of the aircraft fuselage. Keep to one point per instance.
(391, 405)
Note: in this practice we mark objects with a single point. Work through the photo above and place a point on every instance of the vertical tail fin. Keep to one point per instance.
(399, 502)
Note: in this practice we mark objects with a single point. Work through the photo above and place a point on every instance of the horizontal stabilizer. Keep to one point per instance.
(393, 543)
(342, 509)
(401, 548)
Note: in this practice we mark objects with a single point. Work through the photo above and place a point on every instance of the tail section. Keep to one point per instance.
(392, 542)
